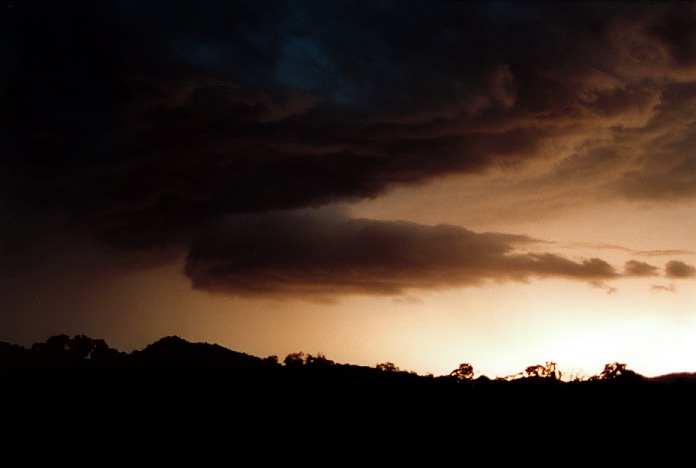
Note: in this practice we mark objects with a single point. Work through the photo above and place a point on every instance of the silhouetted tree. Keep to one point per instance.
(295, 359)
(100, 351)
(547, 371)
(318, 360)
(54, 345)
(12, 352)
(387, 367)
(273, 359)
(81, 347)
(56, 349)
(463, 372)
(615, 370)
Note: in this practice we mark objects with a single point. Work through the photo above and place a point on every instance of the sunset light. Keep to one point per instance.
(428, 184)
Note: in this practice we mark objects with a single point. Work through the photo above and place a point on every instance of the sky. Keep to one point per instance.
(424, 183)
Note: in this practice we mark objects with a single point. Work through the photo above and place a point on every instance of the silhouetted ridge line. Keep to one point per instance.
(177, 398)
(175, 349)
(172, 351)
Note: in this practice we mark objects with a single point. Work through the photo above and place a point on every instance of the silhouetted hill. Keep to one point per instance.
(174, 354)
(676, 377)
(177, 400)
(175, 349)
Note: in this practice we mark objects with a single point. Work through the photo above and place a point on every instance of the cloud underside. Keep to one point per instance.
(320, 252)
(265, 110)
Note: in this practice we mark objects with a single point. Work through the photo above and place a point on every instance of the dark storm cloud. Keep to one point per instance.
(679, 269)
(666, 166)
(324, 252)
(146, 123)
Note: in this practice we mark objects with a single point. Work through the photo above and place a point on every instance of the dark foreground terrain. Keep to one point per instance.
(202, 404)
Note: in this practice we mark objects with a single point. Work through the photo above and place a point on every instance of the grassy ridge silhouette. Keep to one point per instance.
(186, 400)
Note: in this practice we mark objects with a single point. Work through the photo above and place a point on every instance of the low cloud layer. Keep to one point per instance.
(325, 252)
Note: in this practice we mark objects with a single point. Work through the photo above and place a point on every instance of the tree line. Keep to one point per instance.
(63, 349)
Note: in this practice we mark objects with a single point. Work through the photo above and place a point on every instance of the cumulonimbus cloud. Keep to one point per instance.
(283, 114)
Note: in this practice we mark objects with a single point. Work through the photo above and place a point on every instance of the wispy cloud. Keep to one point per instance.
(636, 252)
(664, 287)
